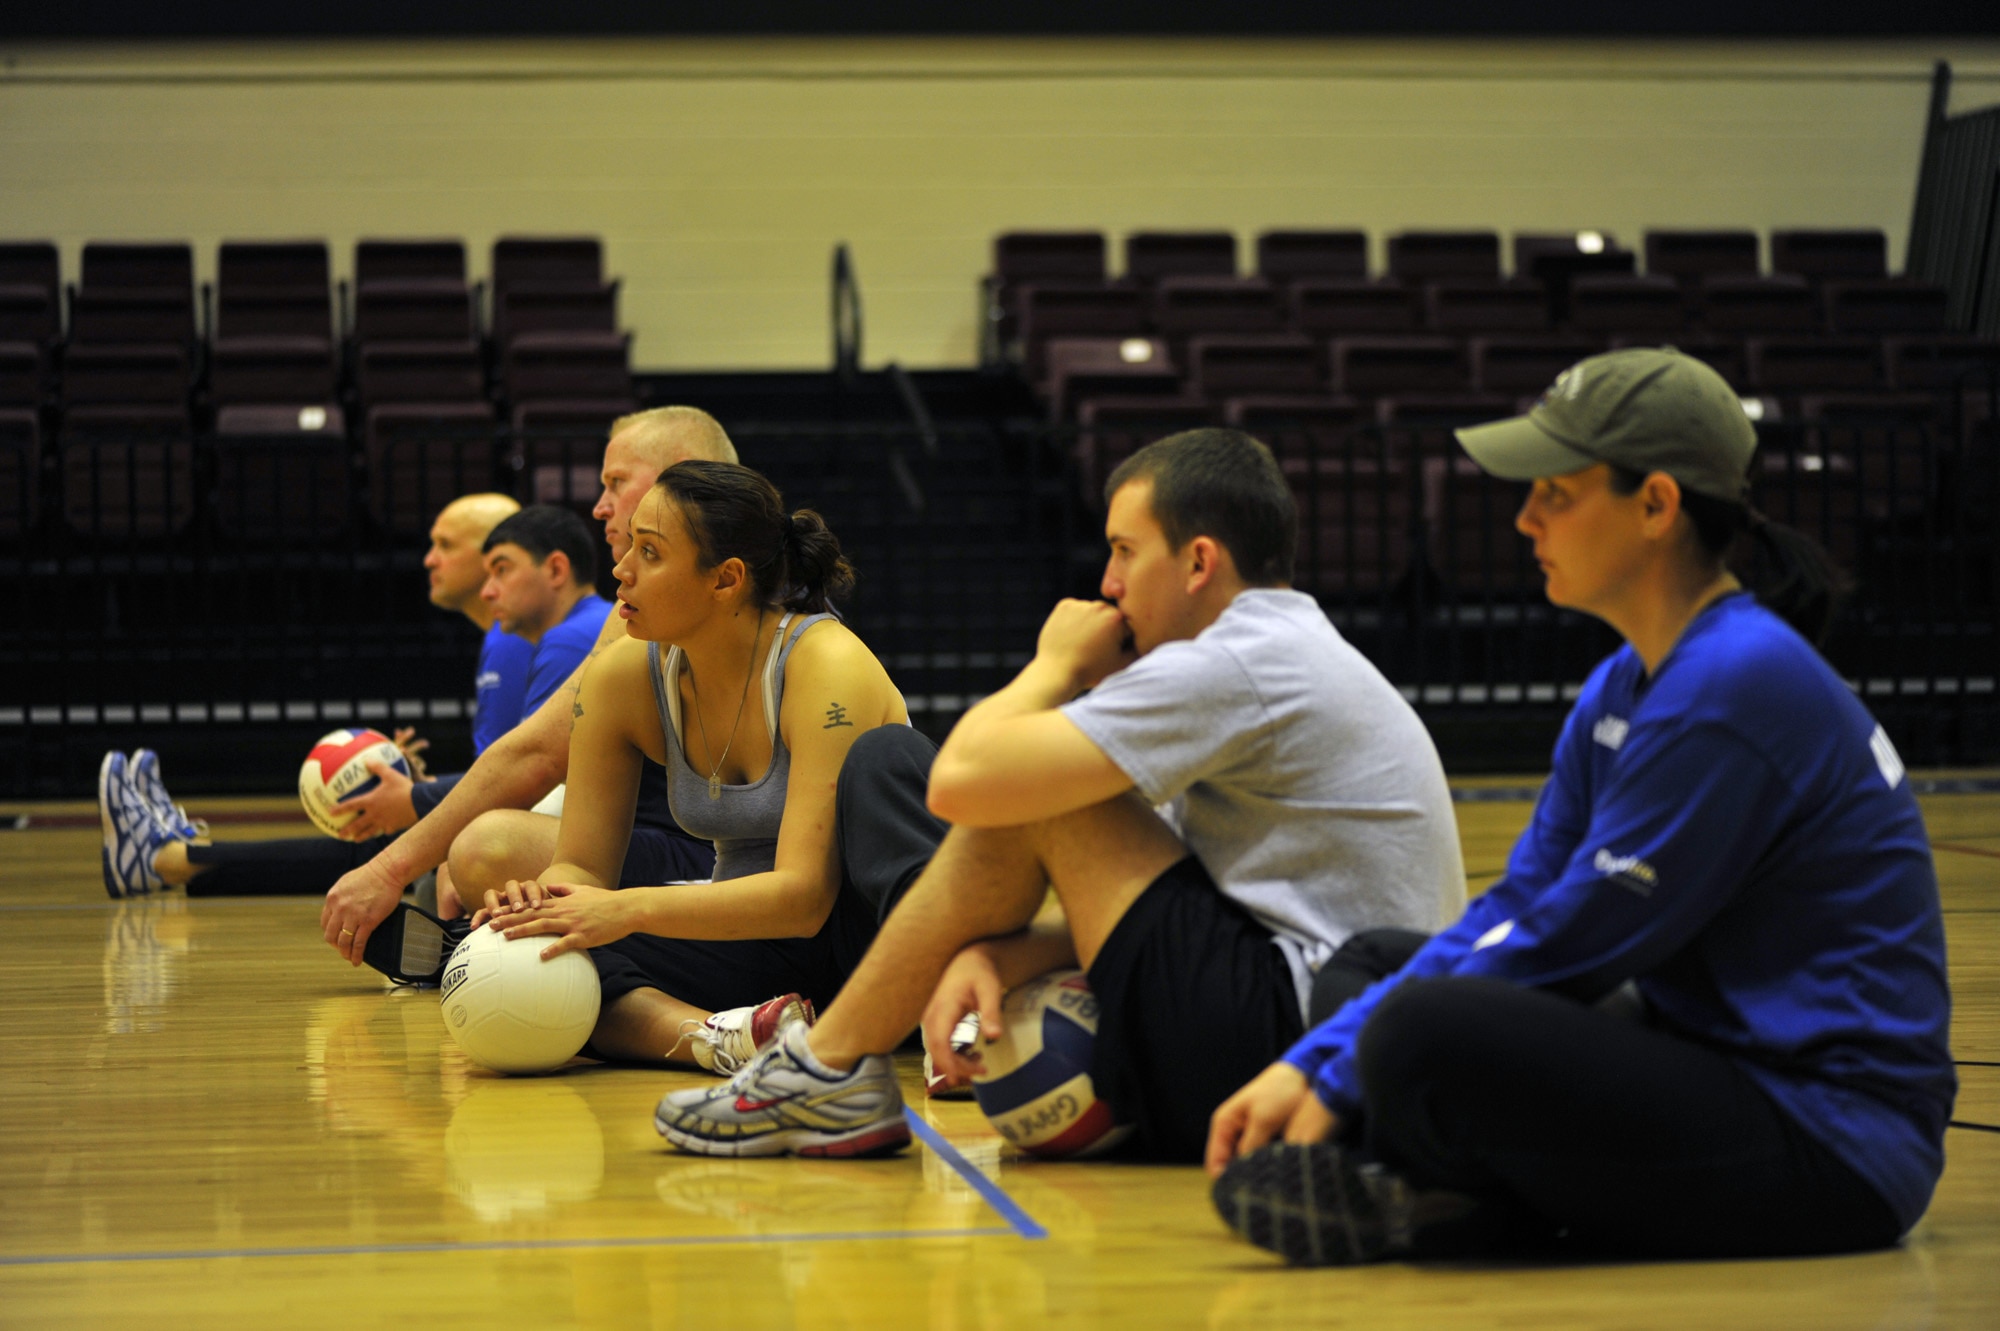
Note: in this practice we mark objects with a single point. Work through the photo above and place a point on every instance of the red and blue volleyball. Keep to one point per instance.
(1034, 1086)
(337, 768)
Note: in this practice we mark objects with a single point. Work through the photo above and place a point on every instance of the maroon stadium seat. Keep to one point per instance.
(413, 310)
(1524, 366)
(1689, 256)
(401, 260)
(554, 309)
(1327, 310)
(1111, 429)
(571, 365)
(1943, 361)
(168, 267)
(558, 444)
(1807, 365)
(1885, 306)
(23, 374)
(547, 261)
(1042, 256)
(1051, 310)
(282, 473)
(1465, 306)
(1296, 425)
(272, 265)
(1612, 304)
(1185, 307)
(271, 370)
(1302, 256)
(101, 315)
(1152, 255)
(20, 473)
(31, 263)
(1355, 522)
(422, 455)
(29, 314)
(1820, 256)
(1107, 367)
(1417, 258)
(1739, 305)
(147, 374)
(420, 372)
(1381, 366)
(1226, 367)
(127, 470)
(273, 312)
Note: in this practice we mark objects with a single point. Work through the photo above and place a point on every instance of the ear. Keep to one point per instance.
(1660, 503)
(730, 575)
(1203, 559)
(557, 569)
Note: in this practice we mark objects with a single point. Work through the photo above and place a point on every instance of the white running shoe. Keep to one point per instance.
(143, 767)
(728, 1040)
(131, 834)
(964, 1036)
(786, 1102)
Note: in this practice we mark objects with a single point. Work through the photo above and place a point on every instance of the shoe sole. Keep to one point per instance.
(113, 885)
(858, 1143)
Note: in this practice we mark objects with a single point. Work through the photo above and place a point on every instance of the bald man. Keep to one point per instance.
(147, 834)
(528, 763)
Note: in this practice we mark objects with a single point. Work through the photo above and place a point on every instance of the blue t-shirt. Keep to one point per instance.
(563, 648)
(500, 687)
(1737, 836)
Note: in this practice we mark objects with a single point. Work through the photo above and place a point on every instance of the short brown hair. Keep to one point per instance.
(1222, 484)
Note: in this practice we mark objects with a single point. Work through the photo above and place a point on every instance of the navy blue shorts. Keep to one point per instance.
(657, 856)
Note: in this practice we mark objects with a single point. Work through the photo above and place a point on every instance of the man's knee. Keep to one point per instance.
(497, 845)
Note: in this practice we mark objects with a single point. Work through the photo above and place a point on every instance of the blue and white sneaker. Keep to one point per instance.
(131, 834)
(144, 770)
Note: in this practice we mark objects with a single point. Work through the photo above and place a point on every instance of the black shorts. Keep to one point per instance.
(741, 972)
(1194, 999)
(655, 856)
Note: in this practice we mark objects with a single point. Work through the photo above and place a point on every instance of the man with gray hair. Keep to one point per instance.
(526, 765)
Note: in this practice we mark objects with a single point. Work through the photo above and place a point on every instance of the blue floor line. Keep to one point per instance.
(1024, 1224)
(524, 1245)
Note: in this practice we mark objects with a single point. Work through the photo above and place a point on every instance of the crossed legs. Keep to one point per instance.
(986, 882)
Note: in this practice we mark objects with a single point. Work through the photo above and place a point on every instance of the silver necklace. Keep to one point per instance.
(694, 688)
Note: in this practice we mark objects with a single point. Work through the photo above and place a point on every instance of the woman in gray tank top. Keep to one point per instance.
(740, 680)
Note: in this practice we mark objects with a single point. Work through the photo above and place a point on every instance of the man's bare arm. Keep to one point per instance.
(516, 770)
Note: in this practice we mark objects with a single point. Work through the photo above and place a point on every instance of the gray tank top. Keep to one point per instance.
(743, 822)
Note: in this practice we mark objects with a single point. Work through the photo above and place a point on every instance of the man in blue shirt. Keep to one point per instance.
(1726, 829)
(159, 845)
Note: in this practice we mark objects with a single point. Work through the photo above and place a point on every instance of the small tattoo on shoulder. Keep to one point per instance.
(836, 715)
(576, 709)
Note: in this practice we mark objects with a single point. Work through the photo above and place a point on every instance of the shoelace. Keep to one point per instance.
(721, 1060)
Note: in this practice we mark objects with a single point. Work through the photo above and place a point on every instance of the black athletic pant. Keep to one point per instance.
(1616, 1136)
(291, 866)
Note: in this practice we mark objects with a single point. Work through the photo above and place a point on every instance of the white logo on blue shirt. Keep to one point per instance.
(1610, 731)
(1630, 870)
(1885, 757)
(1497, 934)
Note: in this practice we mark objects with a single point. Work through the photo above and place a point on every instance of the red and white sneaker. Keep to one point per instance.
(964, 1036)
(728, 1040)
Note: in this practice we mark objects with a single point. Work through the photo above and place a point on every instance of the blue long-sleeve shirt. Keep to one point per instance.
(1737, 836)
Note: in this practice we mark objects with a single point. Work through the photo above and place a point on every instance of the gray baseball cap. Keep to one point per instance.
(1647, 408)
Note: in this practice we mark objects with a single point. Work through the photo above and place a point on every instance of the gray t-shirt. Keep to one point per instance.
(1293, 770)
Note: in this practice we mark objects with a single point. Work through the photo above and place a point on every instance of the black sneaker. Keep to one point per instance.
(412, 945)
(1322, 1205)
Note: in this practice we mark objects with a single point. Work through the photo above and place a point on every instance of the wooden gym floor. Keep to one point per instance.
(205, 1120)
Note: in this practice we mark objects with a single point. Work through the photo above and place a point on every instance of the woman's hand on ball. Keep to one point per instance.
(583, 916)
(519, 894)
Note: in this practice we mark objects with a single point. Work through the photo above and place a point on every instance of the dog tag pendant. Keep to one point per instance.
(714, 786)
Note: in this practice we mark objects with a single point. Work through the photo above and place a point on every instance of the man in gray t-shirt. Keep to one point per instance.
(1218, 789)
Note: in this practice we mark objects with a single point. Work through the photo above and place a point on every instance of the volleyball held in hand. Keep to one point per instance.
(337, 767)
(1035, 1086)
(513, 1012)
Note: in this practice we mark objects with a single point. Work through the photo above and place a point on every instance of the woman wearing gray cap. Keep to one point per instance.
(1727, 829)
